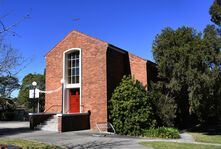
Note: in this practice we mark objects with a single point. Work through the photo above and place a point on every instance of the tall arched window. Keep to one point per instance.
(73, 67)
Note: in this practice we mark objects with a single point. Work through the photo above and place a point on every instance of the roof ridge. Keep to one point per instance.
(68, 34)
(59, 42)
(138, 56)
(77, 31)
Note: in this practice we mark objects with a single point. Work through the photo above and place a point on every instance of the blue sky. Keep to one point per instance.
(128, 24)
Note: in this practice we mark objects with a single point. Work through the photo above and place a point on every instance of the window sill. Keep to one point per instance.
(72, 85)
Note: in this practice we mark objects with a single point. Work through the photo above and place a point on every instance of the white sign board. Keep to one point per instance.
(31, 93)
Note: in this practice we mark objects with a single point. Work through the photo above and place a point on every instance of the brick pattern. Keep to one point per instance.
(138, 67)
(94, 90)
(102, 70)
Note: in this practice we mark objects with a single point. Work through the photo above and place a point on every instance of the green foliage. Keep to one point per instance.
(215, 12)
(7, 104)
(130, 108)
(23, 96)
(7, 115)
(162, 132)
(7, 85)
(10, 60)
(189, 65)
(164, 106)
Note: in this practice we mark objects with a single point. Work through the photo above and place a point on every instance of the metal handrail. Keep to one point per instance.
(51, 107)
(105, 126)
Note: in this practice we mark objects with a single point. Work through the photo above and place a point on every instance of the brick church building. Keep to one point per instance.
(91, 69)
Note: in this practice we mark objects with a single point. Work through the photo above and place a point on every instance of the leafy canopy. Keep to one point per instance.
(189, 65)
(215, 12)
(23, 96)
(164, 106)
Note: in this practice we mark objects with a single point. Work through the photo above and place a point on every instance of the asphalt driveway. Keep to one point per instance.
(74, 139)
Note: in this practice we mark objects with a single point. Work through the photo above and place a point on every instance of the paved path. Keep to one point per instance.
(74, 139)
(79, 139)
(186, 137)
(82, 139)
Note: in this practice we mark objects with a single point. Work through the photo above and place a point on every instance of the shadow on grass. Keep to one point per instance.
(207, 129)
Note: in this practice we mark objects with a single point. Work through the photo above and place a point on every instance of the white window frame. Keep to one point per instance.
(73, 67)
(68, 86)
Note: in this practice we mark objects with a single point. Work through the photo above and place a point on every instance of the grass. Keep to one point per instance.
(206, 133)
(173, 145)
(203, 137)
(24, 144)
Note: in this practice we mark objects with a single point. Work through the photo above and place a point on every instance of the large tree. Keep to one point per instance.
(7, 86)
(215, 12)
(10, 62)
(164, 106)
(189, 65)
(23, 96)
(10, 65)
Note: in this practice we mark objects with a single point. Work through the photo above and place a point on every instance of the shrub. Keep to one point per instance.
(162, 132)
(7, 115)
(130, 108)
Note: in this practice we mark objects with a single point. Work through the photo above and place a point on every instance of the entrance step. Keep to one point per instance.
(50, 125)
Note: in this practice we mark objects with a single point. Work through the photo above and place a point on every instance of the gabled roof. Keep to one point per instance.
(69, 34)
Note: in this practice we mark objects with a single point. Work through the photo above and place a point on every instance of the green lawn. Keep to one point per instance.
(173, 145)
(202, 137)
(24, 144)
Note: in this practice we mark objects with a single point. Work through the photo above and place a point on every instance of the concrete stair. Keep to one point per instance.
(50, 125)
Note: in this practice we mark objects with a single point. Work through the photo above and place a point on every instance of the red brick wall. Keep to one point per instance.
(102, 70)
(138, 67)
(94, 88)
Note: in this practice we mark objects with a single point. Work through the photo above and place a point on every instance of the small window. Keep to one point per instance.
(73, 74)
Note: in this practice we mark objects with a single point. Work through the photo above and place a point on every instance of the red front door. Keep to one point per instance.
(74, 100)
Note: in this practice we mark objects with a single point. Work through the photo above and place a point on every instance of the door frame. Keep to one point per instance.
(69, 107)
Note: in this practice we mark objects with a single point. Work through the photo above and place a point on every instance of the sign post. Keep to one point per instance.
(34, 93)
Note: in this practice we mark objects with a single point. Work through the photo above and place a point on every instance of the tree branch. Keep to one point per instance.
(9, 28)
